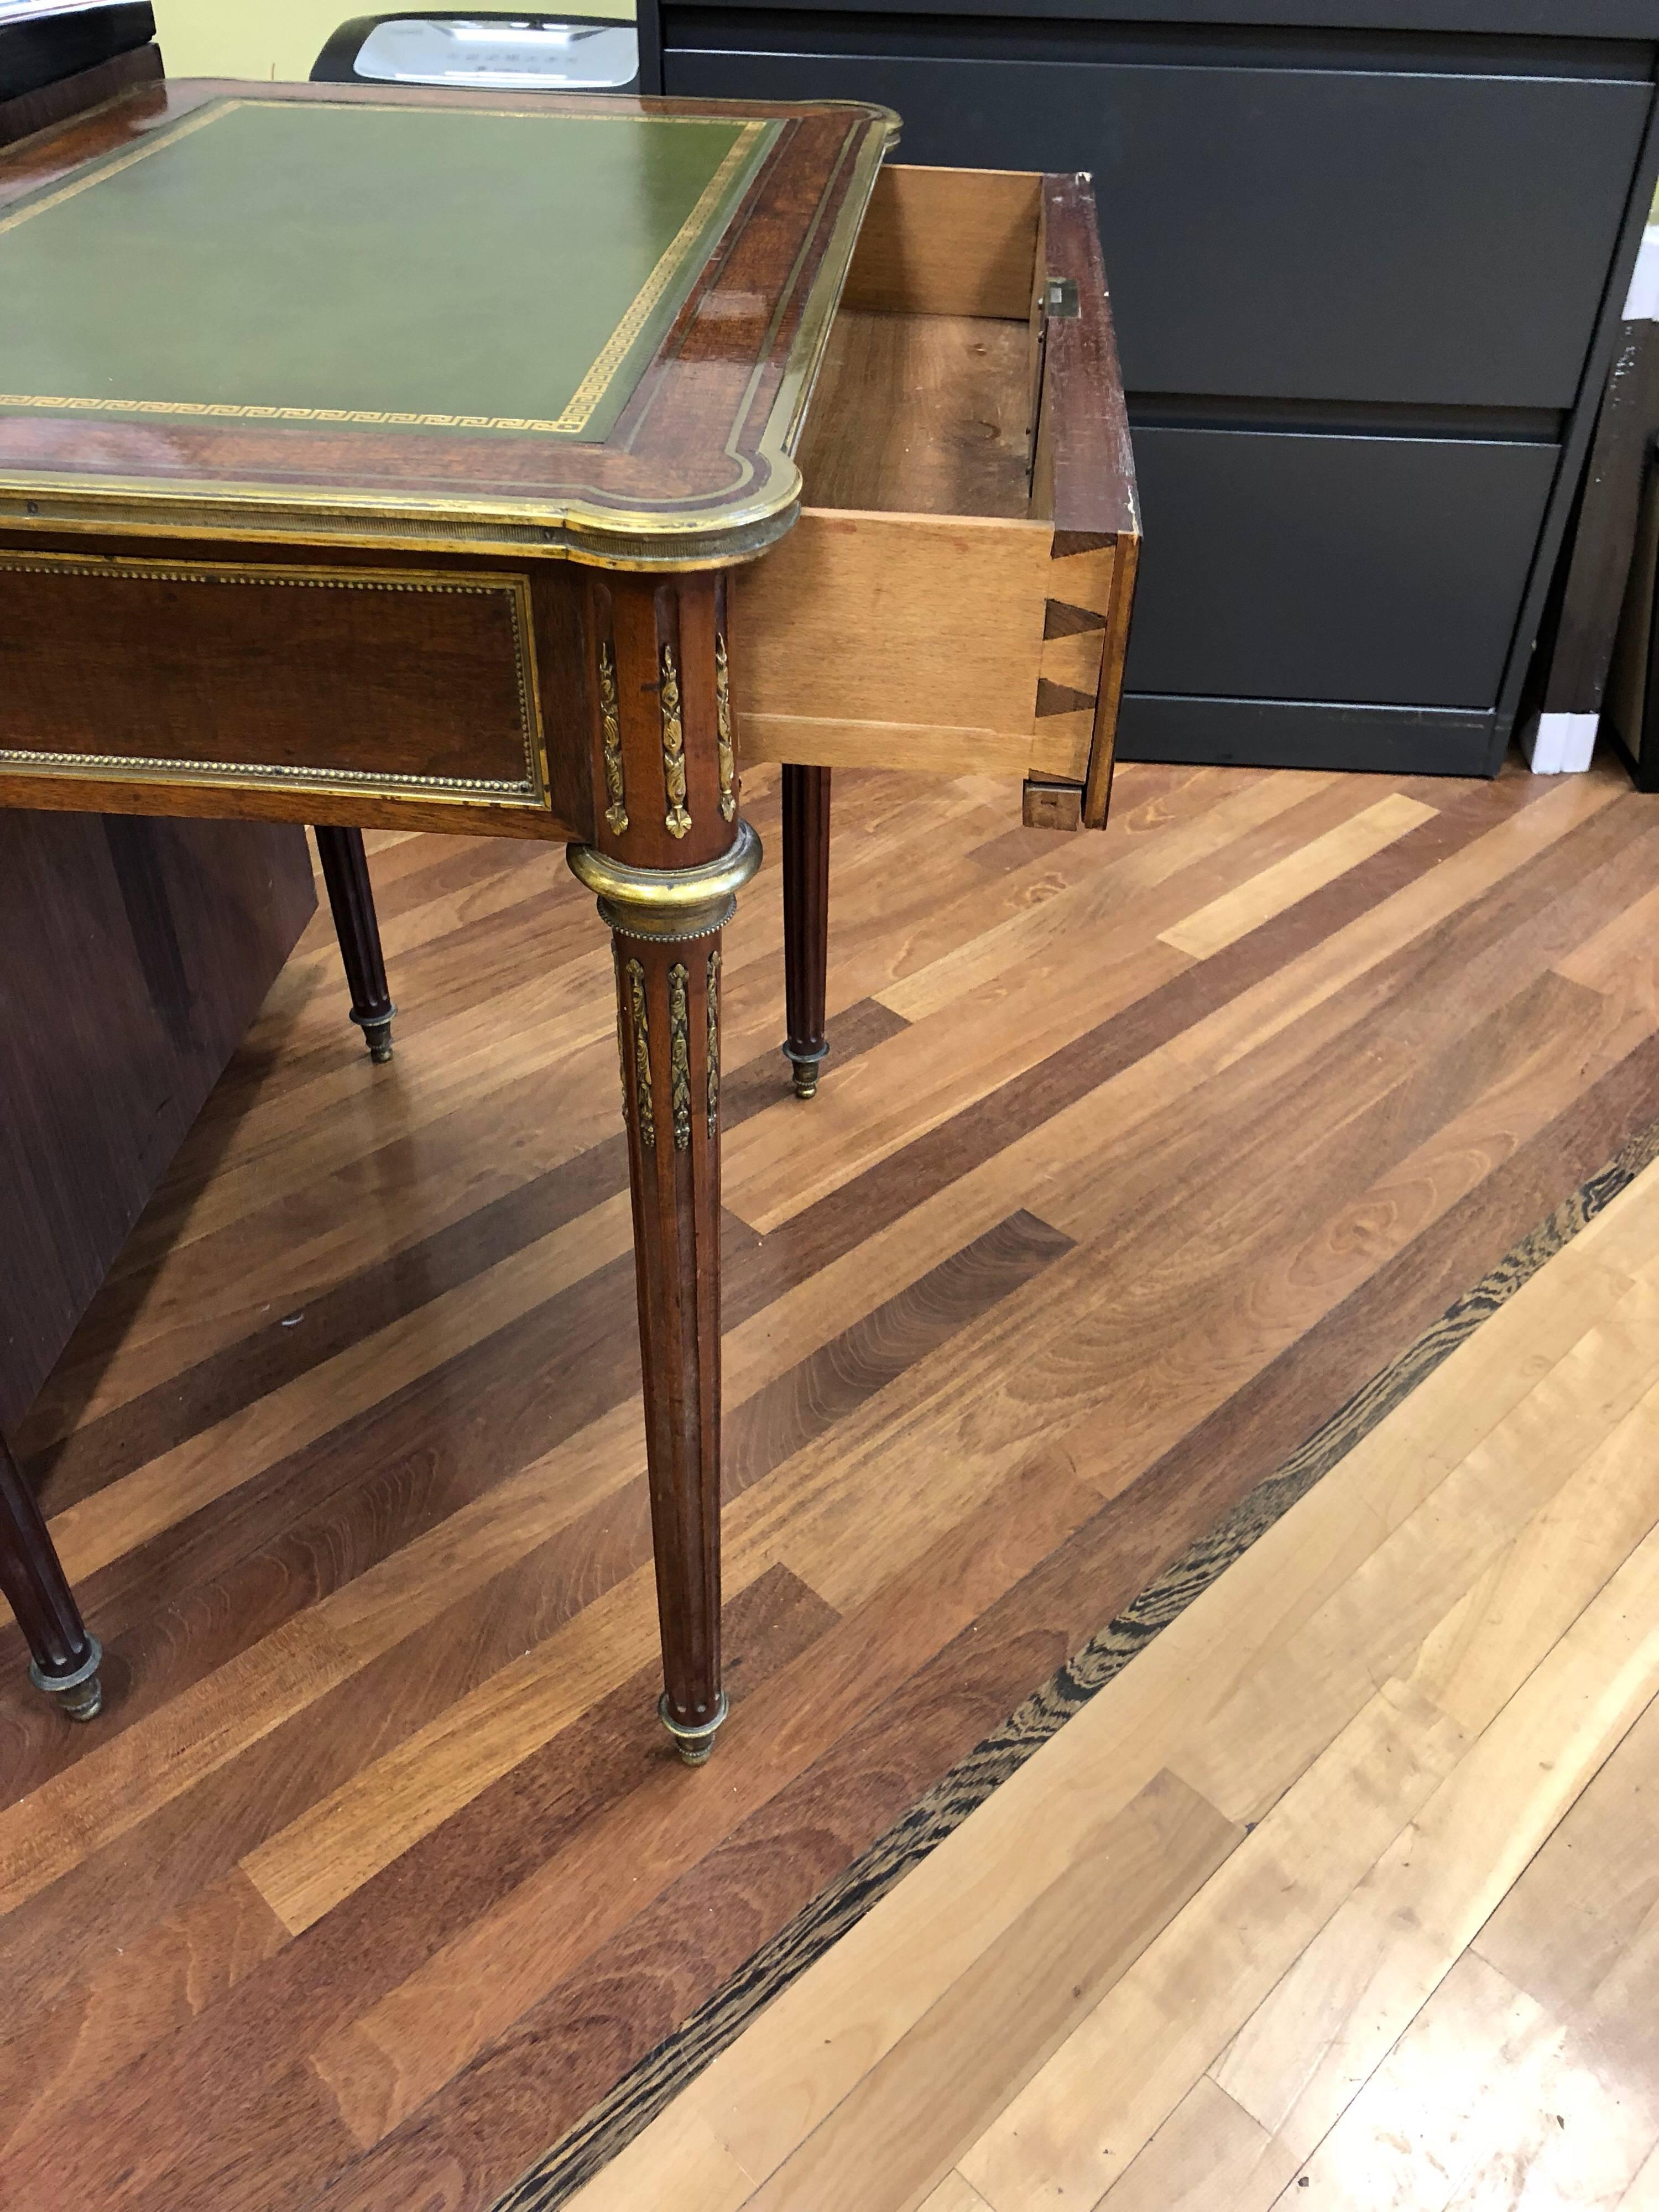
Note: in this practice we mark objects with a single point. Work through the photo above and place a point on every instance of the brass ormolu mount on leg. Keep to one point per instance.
(666, 925)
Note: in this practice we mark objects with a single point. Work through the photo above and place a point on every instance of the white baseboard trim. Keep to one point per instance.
(1561, 744)
(1642, 301)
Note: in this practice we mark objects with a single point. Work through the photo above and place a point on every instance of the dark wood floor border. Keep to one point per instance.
(663, 2072)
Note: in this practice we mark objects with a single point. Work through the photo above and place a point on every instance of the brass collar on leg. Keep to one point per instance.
(668, 902)
(693, 1744)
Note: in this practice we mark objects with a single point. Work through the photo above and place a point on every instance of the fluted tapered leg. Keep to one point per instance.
(351, 901)
(64, 1657)
(806, 920)
(669, 997)
(668, 858)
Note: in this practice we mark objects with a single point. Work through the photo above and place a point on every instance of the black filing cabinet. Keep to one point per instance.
(1366, 262)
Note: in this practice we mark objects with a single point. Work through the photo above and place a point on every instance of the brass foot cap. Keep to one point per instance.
(377, 1034)
(693, 1744)
(806, 1065)
(80, 1693)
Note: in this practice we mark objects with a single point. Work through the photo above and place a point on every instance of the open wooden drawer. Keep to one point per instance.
(955, 595)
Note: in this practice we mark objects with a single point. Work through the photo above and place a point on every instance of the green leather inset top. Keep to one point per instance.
(414, 267)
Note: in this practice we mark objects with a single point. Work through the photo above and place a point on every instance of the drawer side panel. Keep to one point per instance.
(952, 645)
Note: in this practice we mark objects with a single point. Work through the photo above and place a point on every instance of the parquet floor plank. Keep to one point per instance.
(960, 1047)
(887, 2142)
(1136, 2056)
(834, 2026)
(1486, 2095)
(1269, 892)
(838, 1695)
(410, 2043)
(1219, 1008)
(1584, 1900)
(1250, 824)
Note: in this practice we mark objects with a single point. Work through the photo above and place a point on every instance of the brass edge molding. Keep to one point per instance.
(556, 529)
(679, 1055)
(667, 903)
(615, 813)
(712, 1004)
(640, 1023)
(230, 775)
(726, 753)
(707, 532)
(676, 820)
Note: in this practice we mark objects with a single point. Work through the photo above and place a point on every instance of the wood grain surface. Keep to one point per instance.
(1135, 1156)
(1257, 1872)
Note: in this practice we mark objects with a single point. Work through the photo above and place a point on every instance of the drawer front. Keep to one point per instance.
(1293, 233)
(251, 677)
(1373, 570)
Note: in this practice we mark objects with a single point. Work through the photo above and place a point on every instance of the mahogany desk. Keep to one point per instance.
(435, 460)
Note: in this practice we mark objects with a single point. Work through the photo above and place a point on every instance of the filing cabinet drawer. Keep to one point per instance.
(1361, 235)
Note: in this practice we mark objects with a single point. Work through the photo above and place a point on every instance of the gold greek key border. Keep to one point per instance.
(531, 792)
(578, 411)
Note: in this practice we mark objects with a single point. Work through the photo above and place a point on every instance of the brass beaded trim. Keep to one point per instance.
(673, 748)
(727, 756)
(615, 813)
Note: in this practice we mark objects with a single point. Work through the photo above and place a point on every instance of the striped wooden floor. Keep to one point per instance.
(1138, 1155)
(1344, 1895)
